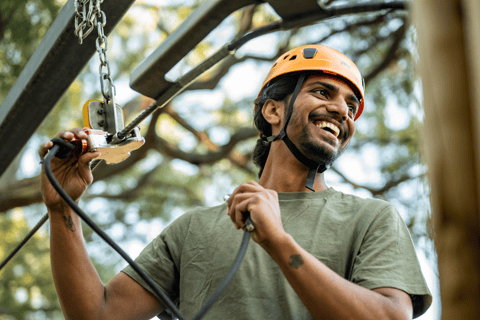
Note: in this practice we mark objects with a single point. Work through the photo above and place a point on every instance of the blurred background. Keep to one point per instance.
(199, 147)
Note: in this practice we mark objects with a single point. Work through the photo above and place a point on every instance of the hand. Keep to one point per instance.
(263, 206)
(73, 174)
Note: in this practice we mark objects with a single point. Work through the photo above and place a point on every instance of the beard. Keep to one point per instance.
(316, 152)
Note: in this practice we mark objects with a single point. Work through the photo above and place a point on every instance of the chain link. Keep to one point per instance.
(85, 22)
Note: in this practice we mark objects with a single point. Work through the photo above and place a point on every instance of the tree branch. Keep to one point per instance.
(377, 192)
(201, 136)
(195, 158)
(20, 193)
(362, 23)
(398, 36)
(222, 69)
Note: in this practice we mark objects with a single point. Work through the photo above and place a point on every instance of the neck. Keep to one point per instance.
(284, 173)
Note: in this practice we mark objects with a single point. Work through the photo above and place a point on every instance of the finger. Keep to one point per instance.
(68, 135)
(255, 184)
(250, 186)
(84, 164)
(79, 133)
(243, 203)
(240, 210)
(64, 134)
(235, 199)
(42, 151)
(87, 157)
(231, 198)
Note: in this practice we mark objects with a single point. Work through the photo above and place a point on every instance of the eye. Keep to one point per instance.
(322, 92)
(352, 109)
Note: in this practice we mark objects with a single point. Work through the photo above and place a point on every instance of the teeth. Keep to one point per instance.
(325, 124)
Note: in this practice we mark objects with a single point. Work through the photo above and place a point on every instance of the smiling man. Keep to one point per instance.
(345, 257)
(319, 253)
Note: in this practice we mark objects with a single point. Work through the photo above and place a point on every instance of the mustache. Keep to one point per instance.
(315, 114)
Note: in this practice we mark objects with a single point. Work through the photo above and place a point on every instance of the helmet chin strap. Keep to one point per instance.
(313, 166)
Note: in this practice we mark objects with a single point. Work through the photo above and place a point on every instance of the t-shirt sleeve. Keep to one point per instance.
(387, 258)
(160, 259)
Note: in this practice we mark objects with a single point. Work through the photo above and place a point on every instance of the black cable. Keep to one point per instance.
(193, 74)
(166, 302)
(48, 171)
(180, 85)
(274, 26)
(24, 241)
(228, 277)
(230, 48)
(39, 224)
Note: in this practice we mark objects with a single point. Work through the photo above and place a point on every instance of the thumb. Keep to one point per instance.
(84, 162)
(88, 156)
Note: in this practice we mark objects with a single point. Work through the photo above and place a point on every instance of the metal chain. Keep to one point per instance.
(85, 22)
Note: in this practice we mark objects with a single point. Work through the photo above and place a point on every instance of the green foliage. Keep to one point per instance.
(26, 285)
(23, 23)
(155, 189)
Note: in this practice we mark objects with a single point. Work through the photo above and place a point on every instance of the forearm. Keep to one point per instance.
(325, 294)
(79, 288)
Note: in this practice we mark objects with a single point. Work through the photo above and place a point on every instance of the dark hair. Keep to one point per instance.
(278, 90)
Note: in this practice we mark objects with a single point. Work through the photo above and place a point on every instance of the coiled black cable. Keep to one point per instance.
(176, 89)
(225, 51)
(24, 241)
(166, 302)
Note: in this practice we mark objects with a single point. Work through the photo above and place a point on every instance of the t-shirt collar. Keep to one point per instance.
(305, 195)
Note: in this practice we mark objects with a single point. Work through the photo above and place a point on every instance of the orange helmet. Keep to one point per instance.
(324, 59)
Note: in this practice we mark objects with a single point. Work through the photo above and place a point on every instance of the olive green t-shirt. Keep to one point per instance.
(363, 240)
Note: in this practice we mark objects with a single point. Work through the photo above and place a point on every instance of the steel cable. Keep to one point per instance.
(230, 48)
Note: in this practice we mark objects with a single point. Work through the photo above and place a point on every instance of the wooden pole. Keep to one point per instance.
(451, 150)
(472, 14)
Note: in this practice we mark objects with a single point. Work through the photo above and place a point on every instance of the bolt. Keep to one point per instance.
(101, 123)
(100, 111)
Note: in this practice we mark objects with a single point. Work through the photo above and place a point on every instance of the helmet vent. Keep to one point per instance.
(309, 53)
(286, 56)
(293, 57)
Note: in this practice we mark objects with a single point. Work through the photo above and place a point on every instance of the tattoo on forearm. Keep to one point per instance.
(69, 223)
(295, 261)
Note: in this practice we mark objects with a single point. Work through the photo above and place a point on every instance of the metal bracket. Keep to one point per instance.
(113, 153)
(113, 114)
(98, 116)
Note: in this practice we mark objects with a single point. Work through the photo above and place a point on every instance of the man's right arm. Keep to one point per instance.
(81, 292)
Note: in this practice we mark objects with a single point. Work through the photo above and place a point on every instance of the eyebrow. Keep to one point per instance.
(334, 89)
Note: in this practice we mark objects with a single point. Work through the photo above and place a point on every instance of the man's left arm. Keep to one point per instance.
(329, 296)
(325, 294)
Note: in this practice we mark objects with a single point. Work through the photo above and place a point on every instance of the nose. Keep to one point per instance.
(338, 107)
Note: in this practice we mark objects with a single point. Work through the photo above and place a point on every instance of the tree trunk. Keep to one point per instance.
(450, 77)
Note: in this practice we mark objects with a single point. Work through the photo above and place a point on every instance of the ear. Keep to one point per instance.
(273, 112)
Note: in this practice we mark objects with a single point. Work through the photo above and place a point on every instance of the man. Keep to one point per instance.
(318, 255)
